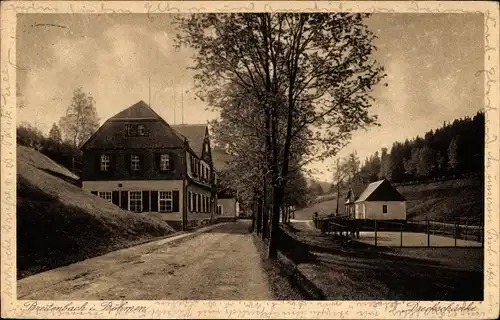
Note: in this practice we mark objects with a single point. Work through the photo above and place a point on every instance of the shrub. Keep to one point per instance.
(63, 153)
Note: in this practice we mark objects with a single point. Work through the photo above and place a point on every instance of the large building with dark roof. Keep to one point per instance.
(379, 200)
(139, 162)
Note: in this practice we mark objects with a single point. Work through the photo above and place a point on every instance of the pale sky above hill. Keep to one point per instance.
(430, 59)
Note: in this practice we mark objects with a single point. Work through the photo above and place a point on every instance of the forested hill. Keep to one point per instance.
(455, 149)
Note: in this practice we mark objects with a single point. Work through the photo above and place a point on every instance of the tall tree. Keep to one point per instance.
(55, 133)
(453, 155)
(81, 119)
(426, 162)
(384, 164)
(310, 73)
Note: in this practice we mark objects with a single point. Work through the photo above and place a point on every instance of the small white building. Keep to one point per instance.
(380, 201)
(228, 207)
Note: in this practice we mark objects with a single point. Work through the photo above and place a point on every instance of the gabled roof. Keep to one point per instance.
(140, 110)
(112, 135)
(380, 191)
(220, 159)
(194, 133)
(356, 188)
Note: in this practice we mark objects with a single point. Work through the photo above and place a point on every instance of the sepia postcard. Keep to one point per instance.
(250, 159)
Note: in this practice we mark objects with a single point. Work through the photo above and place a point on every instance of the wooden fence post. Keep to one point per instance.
(428, 233)
(481, 234)
(465, 232)
(456, 233)
(401, 228)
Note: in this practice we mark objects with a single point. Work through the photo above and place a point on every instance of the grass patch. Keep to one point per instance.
(360, 272)
(286, 281)
(277, 276)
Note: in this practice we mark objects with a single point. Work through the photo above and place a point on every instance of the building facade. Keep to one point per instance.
(379, 201)
(139, 162)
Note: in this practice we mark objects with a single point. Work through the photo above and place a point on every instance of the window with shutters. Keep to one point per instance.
(164, 162)
(194, 202)
(190, 201)
(135, 162)
(106, 195)
(165, 201)
(104, 162)
(135, 201)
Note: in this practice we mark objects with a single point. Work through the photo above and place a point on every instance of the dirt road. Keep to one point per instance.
(221, 263)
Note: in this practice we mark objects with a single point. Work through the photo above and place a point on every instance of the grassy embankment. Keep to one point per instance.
(58, 223)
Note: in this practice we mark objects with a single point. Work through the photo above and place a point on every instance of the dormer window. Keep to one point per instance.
(164, 162)
(135, 163)
(131, 130)
(104, 162)
(141, 130)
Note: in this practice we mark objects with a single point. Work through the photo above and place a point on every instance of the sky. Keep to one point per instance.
(430, 61)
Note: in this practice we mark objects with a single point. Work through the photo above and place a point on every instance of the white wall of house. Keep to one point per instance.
(136, 185)
(374, 210)
(195, 189)
(230, 207)
(359, 210)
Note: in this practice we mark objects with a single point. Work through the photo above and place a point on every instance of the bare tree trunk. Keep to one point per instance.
(275, 229)
(258, 208)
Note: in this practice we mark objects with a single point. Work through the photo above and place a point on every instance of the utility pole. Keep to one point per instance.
(338, 188)
(182, 101)
(174, 104)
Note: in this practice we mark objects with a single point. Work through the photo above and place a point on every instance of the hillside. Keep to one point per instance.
(452, 199)
(58, 223)
(324, 184)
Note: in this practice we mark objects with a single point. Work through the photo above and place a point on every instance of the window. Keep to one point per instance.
(141, 130)
(165, 203)
(199, 202)
(135, 162)
(135, 201)
(164, 162)
(204, 203)
(195, 202)
(219, 209)
(131, 130)
(104, 162)
(190, 201)
(384, 209)
(106, 195)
